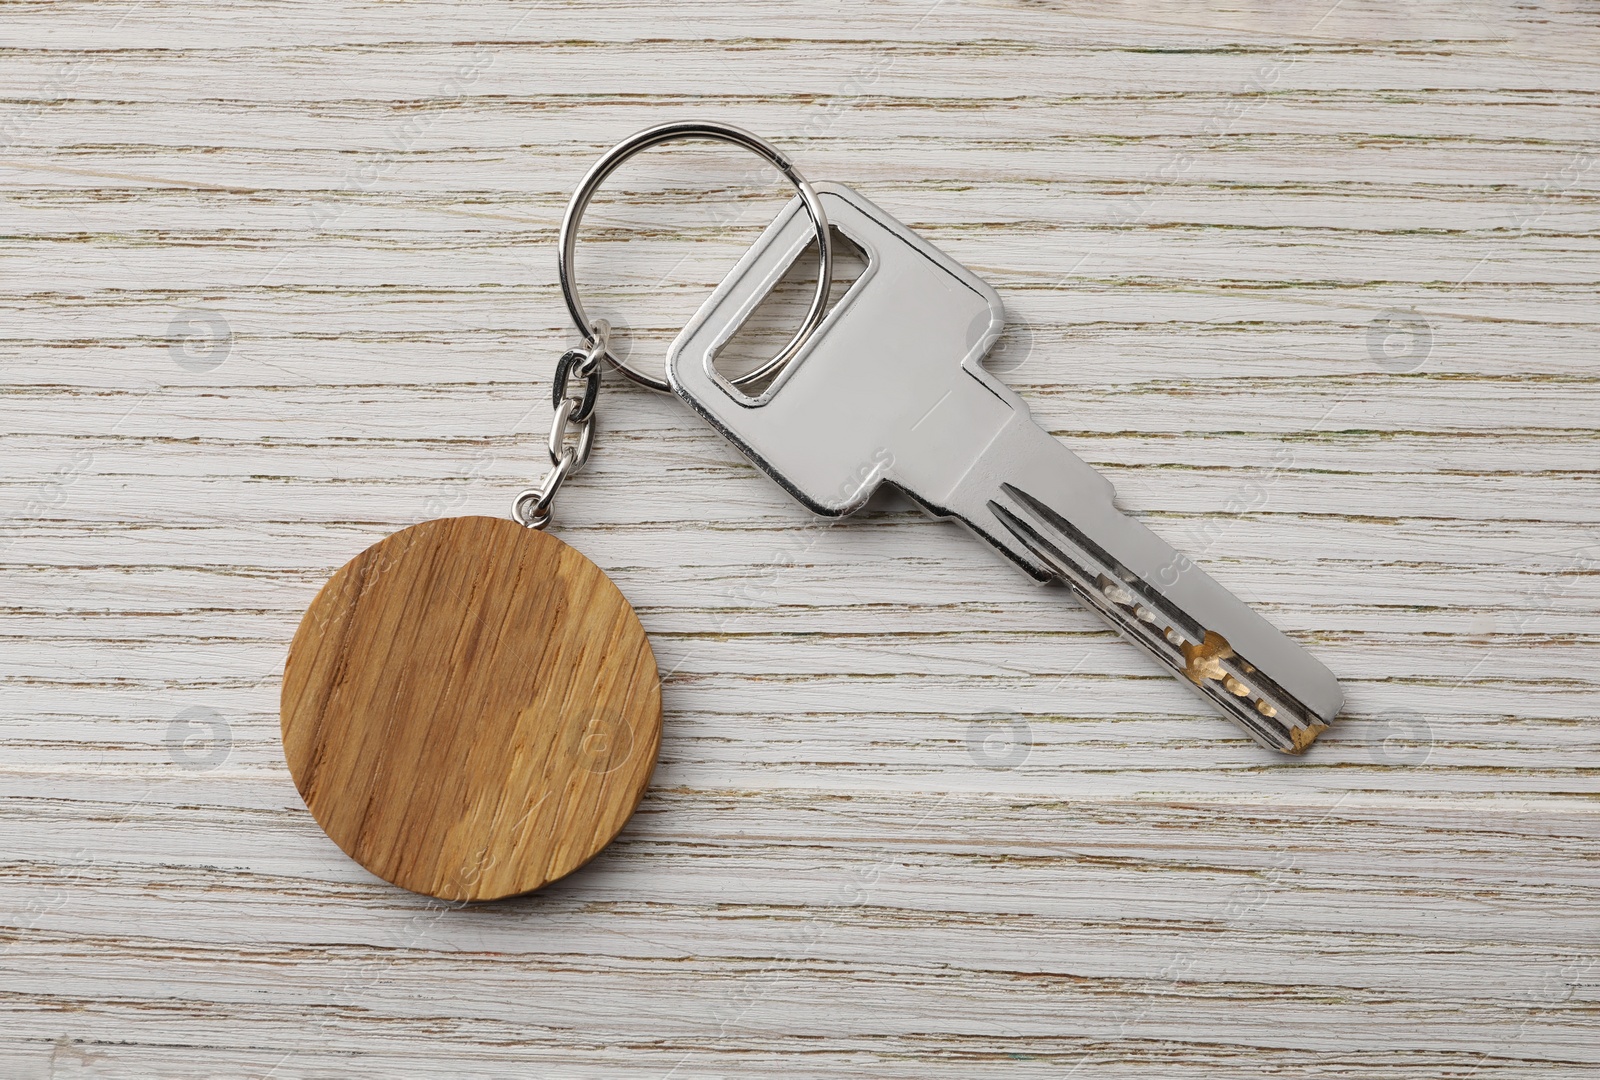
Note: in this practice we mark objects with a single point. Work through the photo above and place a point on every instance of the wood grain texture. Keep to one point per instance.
(470, 709)
(1313, 285)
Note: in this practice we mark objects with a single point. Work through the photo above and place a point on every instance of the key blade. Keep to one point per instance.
(1283, 700)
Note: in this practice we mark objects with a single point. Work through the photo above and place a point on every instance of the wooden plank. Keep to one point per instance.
(1314, 286)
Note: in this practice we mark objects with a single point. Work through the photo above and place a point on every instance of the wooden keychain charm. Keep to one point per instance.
(470, 707)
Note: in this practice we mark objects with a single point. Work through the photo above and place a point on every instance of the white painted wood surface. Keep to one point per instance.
(277, 279)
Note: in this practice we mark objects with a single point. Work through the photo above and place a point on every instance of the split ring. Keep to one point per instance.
(692, 129)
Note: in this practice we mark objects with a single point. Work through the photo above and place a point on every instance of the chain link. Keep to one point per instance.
(572, 432)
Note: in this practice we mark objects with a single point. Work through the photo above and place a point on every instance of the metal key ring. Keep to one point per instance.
(692, 129)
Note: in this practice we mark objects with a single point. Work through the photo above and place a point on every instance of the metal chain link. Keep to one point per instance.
(572, 433)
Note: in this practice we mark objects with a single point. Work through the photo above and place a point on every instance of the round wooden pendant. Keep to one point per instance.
(471, 709)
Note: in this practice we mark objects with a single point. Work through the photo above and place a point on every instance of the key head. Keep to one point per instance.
(883, 380)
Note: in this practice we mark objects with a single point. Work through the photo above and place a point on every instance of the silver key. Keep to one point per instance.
(891, 389)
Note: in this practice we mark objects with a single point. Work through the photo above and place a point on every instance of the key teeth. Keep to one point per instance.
(1304, 736)
(1204, 658)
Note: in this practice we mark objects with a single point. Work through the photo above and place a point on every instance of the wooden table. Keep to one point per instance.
(1315, 288)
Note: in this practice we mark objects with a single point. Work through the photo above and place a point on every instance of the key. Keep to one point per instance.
(891, 389)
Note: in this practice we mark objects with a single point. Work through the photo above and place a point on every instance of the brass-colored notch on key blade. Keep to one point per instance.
(890, 388)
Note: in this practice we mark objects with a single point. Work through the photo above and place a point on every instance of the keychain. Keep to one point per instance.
(470, 707)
